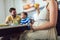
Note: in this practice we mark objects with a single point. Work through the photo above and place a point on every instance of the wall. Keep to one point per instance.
(18, 6)
(2, 11)
(8, 5)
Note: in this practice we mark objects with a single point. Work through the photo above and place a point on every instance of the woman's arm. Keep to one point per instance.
(53, 11)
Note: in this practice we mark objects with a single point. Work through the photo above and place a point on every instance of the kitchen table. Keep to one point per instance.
(7, 30)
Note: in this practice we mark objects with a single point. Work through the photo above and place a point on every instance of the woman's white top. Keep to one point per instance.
(41, 18)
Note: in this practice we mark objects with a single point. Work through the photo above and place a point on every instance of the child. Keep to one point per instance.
(25, 20)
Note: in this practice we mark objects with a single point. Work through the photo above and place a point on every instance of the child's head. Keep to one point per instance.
(24, 15)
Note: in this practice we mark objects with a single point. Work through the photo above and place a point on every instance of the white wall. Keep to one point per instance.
(2, 11)
(8, 5)
(18, 6)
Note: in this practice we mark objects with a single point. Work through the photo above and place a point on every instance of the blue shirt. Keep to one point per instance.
(26, 21)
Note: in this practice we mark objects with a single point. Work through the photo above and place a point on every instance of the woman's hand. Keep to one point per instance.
(35, 28)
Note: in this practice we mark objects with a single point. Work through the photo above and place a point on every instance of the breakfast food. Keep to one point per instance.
(36, 5)
(3, 25)
(27, 6)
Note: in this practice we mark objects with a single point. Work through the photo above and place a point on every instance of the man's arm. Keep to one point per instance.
(7, 20)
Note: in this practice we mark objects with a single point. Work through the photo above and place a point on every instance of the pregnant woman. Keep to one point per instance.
(45, 27)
